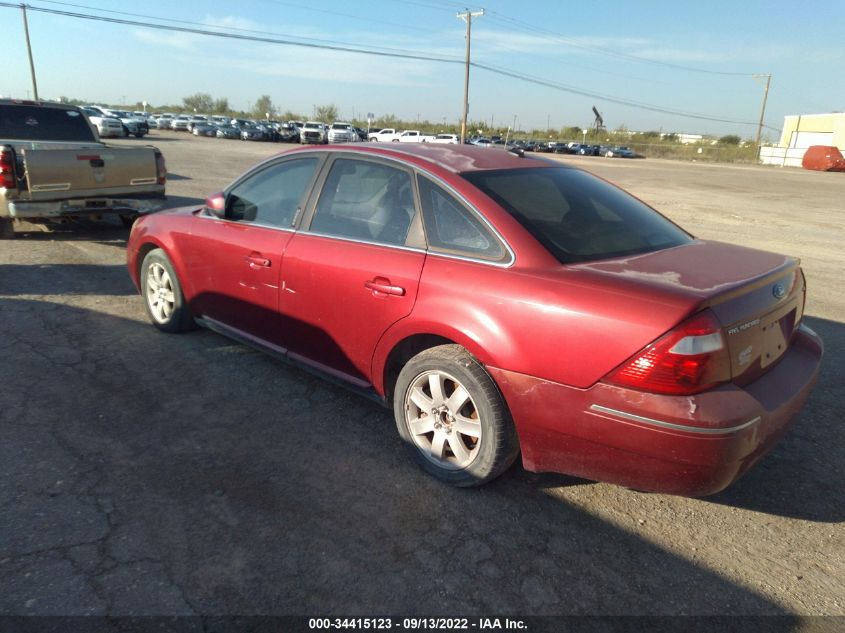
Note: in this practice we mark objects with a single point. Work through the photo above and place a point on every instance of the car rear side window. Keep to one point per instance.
(42, 123)
(365, 201)
(452, 228)
(272, 196)
(577, 216)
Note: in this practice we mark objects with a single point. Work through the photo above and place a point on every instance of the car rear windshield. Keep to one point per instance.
(39, 123)
(577, 216)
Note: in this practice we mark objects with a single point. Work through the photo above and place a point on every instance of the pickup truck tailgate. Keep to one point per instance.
(80, 171)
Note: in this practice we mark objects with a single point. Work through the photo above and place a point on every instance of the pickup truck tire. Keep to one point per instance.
(163, 298)
(7, 231)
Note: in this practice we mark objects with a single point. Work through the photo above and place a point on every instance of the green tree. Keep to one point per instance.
(573, 131)
(290, 115)
(264, 107)
(220, 106)
(201, 102)
(326, 113)
(386, 120)
(729, 139)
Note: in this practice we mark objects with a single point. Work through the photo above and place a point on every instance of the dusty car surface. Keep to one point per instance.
(500, 305)
(53, 165)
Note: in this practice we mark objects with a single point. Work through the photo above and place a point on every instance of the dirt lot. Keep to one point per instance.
(142, 473)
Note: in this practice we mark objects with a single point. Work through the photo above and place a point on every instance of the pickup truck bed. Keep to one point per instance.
(52, 164)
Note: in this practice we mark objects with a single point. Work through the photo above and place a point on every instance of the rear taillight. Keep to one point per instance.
(688, 359)
(7, 169)
(161, 169)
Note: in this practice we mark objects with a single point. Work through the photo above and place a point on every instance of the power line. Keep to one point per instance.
(558, 37)
(391, 53)
(200, 24)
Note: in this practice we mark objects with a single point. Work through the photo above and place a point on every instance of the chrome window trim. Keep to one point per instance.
(474, 210)
(670, 425)
(354, 240)
(207, 215)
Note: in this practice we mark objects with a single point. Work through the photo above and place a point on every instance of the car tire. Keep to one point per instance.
(163, 298)
(7, 230)
(451, 415)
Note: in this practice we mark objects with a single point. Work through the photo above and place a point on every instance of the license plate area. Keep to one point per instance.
(775, 334)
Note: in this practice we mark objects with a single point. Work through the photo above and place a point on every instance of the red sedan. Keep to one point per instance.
(501, 305)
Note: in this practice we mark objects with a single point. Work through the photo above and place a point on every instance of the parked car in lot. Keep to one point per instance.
(254, 133)
(480, 141)
(621, 152)
(341, 132)
(106, 126)
(228, 131)
(385, 135)
(180, 123)
(53, 167)
(165, 121)
(288, 133)
(314, 132)
(132, 125)
(653, 359)
(447, 139)
(204, 129)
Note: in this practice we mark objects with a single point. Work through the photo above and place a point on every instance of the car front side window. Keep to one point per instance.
(272, 196)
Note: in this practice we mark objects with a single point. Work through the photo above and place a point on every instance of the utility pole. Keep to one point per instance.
(29, 50)
(763, 109)
(467, 17)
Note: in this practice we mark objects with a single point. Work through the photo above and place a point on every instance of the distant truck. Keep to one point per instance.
(390, 135)
(53, 165)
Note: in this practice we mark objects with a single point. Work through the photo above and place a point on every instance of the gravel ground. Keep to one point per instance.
(146, 474)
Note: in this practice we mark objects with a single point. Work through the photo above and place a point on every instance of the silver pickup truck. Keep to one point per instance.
(53, 165)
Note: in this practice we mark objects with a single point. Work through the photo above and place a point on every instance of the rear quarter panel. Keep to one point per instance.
(552, 324)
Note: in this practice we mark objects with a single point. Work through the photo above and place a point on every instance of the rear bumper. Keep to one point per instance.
(85, 206)
(688, 445)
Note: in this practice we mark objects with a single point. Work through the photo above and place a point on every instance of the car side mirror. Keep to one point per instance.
(216, 204)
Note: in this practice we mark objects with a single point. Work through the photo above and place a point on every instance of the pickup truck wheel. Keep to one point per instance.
(163, 298)
(7, 231)
(453, 418)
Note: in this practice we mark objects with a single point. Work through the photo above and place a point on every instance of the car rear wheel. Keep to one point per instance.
(451, 415)
(163, 298)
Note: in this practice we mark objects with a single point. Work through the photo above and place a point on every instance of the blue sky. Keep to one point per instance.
(597, 47)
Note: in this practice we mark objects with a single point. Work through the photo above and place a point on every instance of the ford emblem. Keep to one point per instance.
(779, 291)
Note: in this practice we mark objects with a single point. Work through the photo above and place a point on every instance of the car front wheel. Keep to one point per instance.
(163, 298)
(450, 413)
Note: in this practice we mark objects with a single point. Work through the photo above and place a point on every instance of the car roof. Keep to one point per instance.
(456, 158)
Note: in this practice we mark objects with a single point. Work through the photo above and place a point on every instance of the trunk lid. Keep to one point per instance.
(757, 296)
(83, 169)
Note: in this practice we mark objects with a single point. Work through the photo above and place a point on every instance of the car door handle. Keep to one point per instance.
(380, 284)
(256, 260)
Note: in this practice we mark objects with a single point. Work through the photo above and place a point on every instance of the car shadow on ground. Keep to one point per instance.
(158, 474)
(65, 279)
(109, 231)
(804, 475)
